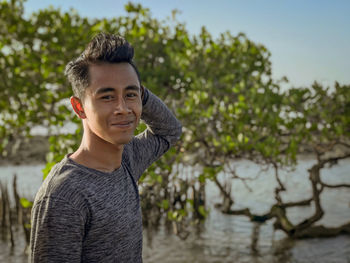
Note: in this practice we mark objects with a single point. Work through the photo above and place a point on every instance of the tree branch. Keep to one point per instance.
(253, 217)
(335, 186)
(334, 160)
(315, 181)
(299, 203)
(321, 231)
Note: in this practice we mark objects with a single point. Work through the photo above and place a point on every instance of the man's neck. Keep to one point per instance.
(98, 154)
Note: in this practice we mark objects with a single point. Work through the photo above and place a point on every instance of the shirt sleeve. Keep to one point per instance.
(57, 231)
(163, 130)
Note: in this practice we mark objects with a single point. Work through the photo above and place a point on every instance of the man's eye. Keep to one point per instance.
(107, 97)
(131, 95)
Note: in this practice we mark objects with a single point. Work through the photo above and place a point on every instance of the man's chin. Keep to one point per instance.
(124, 140)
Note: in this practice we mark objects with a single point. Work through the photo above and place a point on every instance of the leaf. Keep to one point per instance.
(202, 211)
(26, 203)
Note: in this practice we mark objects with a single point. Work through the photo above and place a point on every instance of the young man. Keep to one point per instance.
(88, 208)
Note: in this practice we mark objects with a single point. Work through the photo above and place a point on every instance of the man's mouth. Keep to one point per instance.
(122, 124)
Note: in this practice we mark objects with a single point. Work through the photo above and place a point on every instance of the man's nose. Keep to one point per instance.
(121, 107)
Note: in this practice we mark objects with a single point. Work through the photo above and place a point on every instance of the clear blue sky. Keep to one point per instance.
(309, 39)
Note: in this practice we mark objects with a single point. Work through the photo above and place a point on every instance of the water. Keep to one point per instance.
(29, 178)
(229, 238)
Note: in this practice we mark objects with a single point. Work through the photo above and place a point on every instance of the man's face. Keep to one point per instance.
(112, 102)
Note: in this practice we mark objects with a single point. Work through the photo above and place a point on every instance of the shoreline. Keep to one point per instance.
(28, 151)
(32, 151)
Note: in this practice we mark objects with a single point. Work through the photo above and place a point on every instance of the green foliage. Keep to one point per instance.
(318, 117)
(221, 90)
(33, 55)
(26, 203)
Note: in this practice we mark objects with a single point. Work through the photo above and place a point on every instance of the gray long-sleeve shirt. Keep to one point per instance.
(85, 215)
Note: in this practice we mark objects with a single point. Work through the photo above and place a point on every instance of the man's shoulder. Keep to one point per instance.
(65, 172)
(65, 181)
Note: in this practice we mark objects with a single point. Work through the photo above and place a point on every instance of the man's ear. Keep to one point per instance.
(77, 107)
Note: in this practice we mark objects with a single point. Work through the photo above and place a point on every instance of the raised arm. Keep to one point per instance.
(163, 130)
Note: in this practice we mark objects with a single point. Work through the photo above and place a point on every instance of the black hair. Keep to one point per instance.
(103, 48)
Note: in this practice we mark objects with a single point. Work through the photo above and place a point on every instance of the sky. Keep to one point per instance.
(309, 40)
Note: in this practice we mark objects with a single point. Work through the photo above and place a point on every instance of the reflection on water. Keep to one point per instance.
(227, 238)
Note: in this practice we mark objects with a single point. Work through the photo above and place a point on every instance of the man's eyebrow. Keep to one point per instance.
(133, 87)
(104, 90)
(109, 89)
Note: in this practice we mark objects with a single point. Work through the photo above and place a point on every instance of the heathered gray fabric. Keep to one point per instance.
(85, 215)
